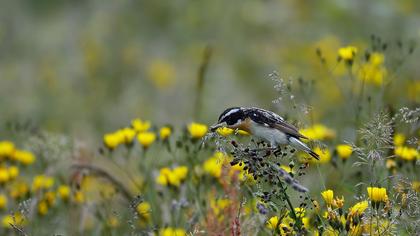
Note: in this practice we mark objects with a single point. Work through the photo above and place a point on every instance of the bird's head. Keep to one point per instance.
(230, 118)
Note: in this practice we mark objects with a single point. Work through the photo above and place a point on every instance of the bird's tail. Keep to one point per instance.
(296, 143)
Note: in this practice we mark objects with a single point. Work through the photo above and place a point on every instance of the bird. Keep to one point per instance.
(265, 125)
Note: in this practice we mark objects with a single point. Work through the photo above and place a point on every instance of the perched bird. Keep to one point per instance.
(265, 125)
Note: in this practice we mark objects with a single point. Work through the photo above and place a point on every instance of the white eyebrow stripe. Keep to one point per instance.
(230, 112)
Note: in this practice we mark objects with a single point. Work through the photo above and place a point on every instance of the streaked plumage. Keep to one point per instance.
(264, 124)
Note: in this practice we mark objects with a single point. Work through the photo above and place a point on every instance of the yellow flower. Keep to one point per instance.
(358, 208)
(161, 73)
(399, 139)
(4, 175)
(140, 126)
(300, 212)
(143, 209)
(172, 177)
(24, 157)
(172, 232)
(273, 222)
(64, 192)
(165, 132)
(347, 53)
(7, 149)
(112, 140)
(42, 208)
(287, 169)
(344, 151)
(318, 132)
(406, 153)
(79, 197)
(373, 72)
(324, 156)
(377, 58)
(377, 194)
(14, 219)
(390, 164)
(213, 165)
(146, 138)
(197, 130)
(181, 172)
(415, 185)
(224, 131)
(13, 172)
(219, 205)
(3, 201)
(328, 196)
(42, 182)
(355, 230)
(128, 135)
(113, 222)
(19, 189)
(49, 197)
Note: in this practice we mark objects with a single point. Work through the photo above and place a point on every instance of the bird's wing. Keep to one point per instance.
(271, 119)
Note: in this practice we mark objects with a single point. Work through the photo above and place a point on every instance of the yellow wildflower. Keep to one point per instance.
(64, 192)
(172, 177)
(344, 151)
(324, 156)
(347, 53)
(19, 189)
(358, 208)
(300, 212)
(79, 197)
(415, 185)
(49, 197)
(146, 138)
(399, 139)
(140, 126)
(161, 73)
(355, 230)
(214, 164)
(219, 205)
(318, 132)
(24, 157)
(172, 232)
(4, 175)
(377, 194)
(7, 149)
(224, 131)
(113, 222)
(377, 58)
(406, 153)
(273, 223)
(180, 172)
(13, 219)
(328, 196)
(373, 71)
(197, 130)
(390, 164)
(338, 202)
(13, 172)
(112, 140)
(42, 208)
(42, 182)
(128, 135)
(143, 209)
(3, 201)
(287, 169)
(165, 132)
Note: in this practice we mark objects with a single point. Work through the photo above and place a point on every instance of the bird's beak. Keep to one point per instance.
(216, 126)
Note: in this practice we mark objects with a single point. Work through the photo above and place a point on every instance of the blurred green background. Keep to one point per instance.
(89, 67)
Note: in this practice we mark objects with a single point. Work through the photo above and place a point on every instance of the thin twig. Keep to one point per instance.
(100, 172)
